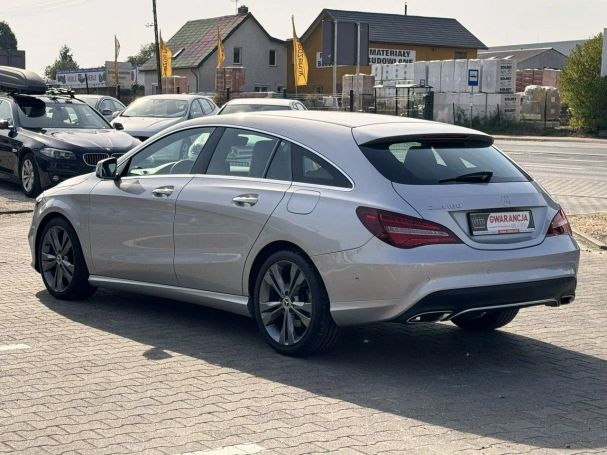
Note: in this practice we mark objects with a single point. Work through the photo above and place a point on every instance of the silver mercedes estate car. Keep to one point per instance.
(307, 221)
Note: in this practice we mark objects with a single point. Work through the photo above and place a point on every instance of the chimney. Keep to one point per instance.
(243, 9)
(406, 8)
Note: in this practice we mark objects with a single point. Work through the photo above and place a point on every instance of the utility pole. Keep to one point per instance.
(158, 68)
(335, 58)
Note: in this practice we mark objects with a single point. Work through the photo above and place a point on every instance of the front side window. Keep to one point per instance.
(311, 168)
(173, 154)
(195, 109)
(35, 113)
(242, 153)
(431, 162)
(207, 107)
(237, 56)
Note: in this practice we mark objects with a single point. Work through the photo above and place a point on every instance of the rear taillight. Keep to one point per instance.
(559, 225)
(404, 231)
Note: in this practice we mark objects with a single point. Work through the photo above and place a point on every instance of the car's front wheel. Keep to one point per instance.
(291, 305)
(29, 176)
(61, 262)
(486, 320)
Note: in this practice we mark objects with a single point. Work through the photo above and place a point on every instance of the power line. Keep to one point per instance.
(42, 7)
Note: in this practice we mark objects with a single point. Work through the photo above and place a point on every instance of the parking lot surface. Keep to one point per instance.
(123, 373)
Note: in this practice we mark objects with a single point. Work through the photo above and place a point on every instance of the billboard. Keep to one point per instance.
(78, 78)
(604, 64)
(347, 43)
(124, 74)
(383, 56)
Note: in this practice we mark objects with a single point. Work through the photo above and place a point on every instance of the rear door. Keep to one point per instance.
(9, 143)
(131, 219)
(467, 186)
(221, 213)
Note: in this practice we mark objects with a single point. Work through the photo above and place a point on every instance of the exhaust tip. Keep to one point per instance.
(567, 299)
(432, 316)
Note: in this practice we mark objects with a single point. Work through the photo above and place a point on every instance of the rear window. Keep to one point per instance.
(431, 162)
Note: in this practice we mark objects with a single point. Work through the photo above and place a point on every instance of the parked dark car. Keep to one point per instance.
(108, 106)
(46, 138)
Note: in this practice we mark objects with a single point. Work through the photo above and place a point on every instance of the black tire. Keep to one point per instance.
(31, 188)
(321, 332)
(488, 320)
(78, 287)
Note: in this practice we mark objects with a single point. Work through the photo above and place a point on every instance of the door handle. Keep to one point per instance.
(246, 200)
(163, 191)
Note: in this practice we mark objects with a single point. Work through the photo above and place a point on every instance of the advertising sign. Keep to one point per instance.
(377, 55)
(78, 78)
(124, 74)
(347, 43)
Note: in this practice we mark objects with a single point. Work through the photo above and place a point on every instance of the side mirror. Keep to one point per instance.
(106, 169)
(5, 124)
(118, 126)
(106, 112)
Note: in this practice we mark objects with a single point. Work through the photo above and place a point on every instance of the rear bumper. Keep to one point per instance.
(448, 304)
(378, 282)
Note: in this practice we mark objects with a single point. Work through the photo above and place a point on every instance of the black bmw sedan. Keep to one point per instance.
(45, 139)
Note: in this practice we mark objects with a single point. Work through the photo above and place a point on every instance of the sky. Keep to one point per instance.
(89, 26)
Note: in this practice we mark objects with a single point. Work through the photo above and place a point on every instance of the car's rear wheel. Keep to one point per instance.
(485, 320)
(61, 262)
(29, 176)
(291, 305)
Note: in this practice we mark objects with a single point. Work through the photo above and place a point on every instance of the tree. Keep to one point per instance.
(583, 88)
(65, 61)
(145, 53)
(8, 40)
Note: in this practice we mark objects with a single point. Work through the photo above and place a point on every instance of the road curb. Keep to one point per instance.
(588, 238)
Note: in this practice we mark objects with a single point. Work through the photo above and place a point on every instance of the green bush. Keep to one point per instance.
(583, 88)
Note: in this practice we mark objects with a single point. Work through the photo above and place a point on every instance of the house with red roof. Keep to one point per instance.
(260, 58)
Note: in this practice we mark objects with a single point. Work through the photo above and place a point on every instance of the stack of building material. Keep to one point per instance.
(540, 103)
(392, 72)
(363, 87)
(230, 77)
(434, 75)
(420, 73)
(498, 76)
(447, 82)
(545, 77)
(460, 76)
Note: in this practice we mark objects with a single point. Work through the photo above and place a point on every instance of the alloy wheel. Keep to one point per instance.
(27, 175)
(57, 258)
(285, 303)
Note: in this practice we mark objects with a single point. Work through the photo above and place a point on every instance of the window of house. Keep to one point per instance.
(261, 88)
(237, 56)
(460, 54)
(272, 56)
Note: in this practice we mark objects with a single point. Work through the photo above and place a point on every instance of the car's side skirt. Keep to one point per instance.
(226, 302)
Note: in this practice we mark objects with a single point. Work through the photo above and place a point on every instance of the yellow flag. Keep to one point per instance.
(220, 53)
(166, 57)
(300, 62)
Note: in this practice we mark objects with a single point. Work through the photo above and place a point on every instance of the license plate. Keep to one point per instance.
(492, 223)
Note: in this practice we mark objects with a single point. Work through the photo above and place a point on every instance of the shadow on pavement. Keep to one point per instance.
(500, 385)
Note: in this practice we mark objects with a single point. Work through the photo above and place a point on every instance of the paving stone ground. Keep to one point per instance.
(122, 373)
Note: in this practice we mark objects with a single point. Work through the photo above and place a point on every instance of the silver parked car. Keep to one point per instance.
(260, 104)
(107, 106)
(149, 115)
(307, 221)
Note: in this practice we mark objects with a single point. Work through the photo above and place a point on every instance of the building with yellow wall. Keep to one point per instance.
(425, 38)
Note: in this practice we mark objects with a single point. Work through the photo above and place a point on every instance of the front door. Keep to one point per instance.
(131, 219)
(219, 215)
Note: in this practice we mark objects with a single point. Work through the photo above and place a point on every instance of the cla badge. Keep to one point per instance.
(506, 202)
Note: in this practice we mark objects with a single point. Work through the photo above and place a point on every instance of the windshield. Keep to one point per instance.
(156, 107)
(34, 113)
(435, 162)
(234, 108)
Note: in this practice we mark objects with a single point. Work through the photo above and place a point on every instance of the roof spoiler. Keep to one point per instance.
(475, 140)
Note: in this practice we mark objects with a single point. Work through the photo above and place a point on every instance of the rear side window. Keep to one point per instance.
(311, 168)
(429, 162)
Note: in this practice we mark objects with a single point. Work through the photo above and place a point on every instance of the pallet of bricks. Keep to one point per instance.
(545, 77)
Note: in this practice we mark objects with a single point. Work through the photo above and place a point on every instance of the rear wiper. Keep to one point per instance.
(472, 177)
